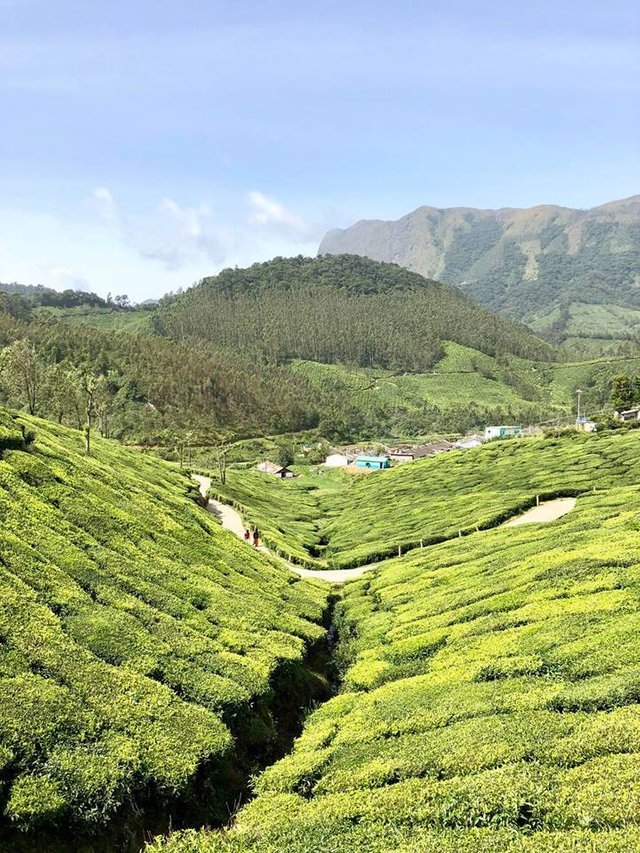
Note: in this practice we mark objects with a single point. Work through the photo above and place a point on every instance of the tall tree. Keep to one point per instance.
(623, 392)
(21, 373)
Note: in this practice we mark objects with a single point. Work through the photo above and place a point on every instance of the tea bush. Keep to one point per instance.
(491, 702)
(134, 632)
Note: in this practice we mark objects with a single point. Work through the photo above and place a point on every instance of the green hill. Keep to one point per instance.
(358, 520)
(141, 648)
(339, 310)
(572, 274)
(490, 693)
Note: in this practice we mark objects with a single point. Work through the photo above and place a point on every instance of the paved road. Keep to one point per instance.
(232, 520)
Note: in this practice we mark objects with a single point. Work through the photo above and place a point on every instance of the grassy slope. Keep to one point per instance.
(367, 518)
(490, 703)
(106, 319)
(383, 389)
(132, 629)
(289, 513)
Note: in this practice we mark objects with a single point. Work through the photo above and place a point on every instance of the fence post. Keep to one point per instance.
(399, 550)
(460, 534)
(537, 500)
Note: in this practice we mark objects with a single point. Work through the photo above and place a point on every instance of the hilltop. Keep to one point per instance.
(568, 273)
(339, 310)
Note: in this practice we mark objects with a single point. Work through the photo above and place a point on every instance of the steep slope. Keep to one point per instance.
(140, 645)
(343, 310)
(489, 704)
(539, 264)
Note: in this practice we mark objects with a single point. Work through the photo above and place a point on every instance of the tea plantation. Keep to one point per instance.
(367, 518)
(490, 703)
(141, 647)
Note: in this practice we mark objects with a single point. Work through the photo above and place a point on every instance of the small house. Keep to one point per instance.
(336, 460)
(502, 432)
(441, 446)
(407, 453)
(632, 414)
(374, 463)
(470, 441)
(274, 470)
(401, 454)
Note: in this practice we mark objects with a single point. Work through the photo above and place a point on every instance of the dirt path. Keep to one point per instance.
(549, 511)
(232, 520)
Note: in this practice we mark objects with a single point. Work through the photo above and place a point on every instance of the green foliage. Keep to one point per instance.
(134, 633)
(338, 309)
(623, 392)
(490, 703)
(353, 520)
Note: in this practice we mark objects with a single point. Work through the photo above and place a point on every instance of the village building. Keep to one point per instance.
(470, 441)
(374, 463)
(274, 470)
(408, 453)
(632, 414)
(502, 432)
(336, 460)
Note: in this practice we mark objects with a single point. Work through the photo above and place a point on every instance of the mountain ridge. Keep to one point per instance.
(524, 263)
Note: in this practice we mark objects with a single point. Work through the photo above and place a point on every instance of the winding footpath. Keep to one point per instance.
(232, 520)
(549, 511)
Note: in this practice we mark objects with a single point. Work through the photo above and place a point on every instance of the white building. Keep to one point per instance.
(336, 460)
(502, 432)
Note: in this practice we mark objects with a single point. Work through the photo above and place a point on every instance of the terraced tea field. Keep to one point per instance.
(140, 645)
(489, 703)
(364, 519)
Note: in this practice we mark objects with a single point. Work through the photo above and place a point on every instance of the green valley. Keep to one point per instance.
(489, 699)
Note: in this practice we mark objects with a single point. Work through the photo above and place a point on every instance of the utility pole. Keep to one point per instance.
(579, 392)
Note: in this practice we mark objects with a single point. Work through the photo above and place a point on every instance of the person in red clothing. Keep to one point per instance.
(247, 535)
(256, 537)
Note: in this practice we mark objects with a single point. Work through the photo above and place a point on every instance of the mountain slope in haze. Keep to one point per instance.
(339, 310)
(538, 264)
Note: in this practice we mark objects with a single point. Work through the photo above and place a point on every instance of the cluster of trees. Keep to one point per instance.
(625, 391)
(143, 388)
(339, 309)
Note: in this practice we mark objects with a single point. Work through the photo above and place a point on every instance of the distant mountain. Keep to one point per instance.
(543, 265)
(339, 310)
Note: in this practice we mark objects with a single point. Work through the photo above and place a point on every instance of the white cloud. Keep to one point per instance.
(106, 204)
(175, 236)
(271, 215)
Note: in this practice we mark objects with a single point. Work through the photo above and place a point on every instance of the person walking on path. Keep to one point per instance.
(247, 535)
(256, 537)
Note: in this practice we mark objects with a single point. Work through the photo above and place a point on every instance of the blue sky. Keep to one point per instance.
(148, 143)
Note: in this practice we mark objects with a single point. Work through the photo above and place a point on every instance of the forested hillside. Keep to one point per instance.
(573, 274)
(338, 310)
(150, 389)
(141, 647)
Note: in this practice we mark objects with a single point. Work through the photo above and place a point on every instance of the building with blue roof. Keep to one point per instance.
(375, 463)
